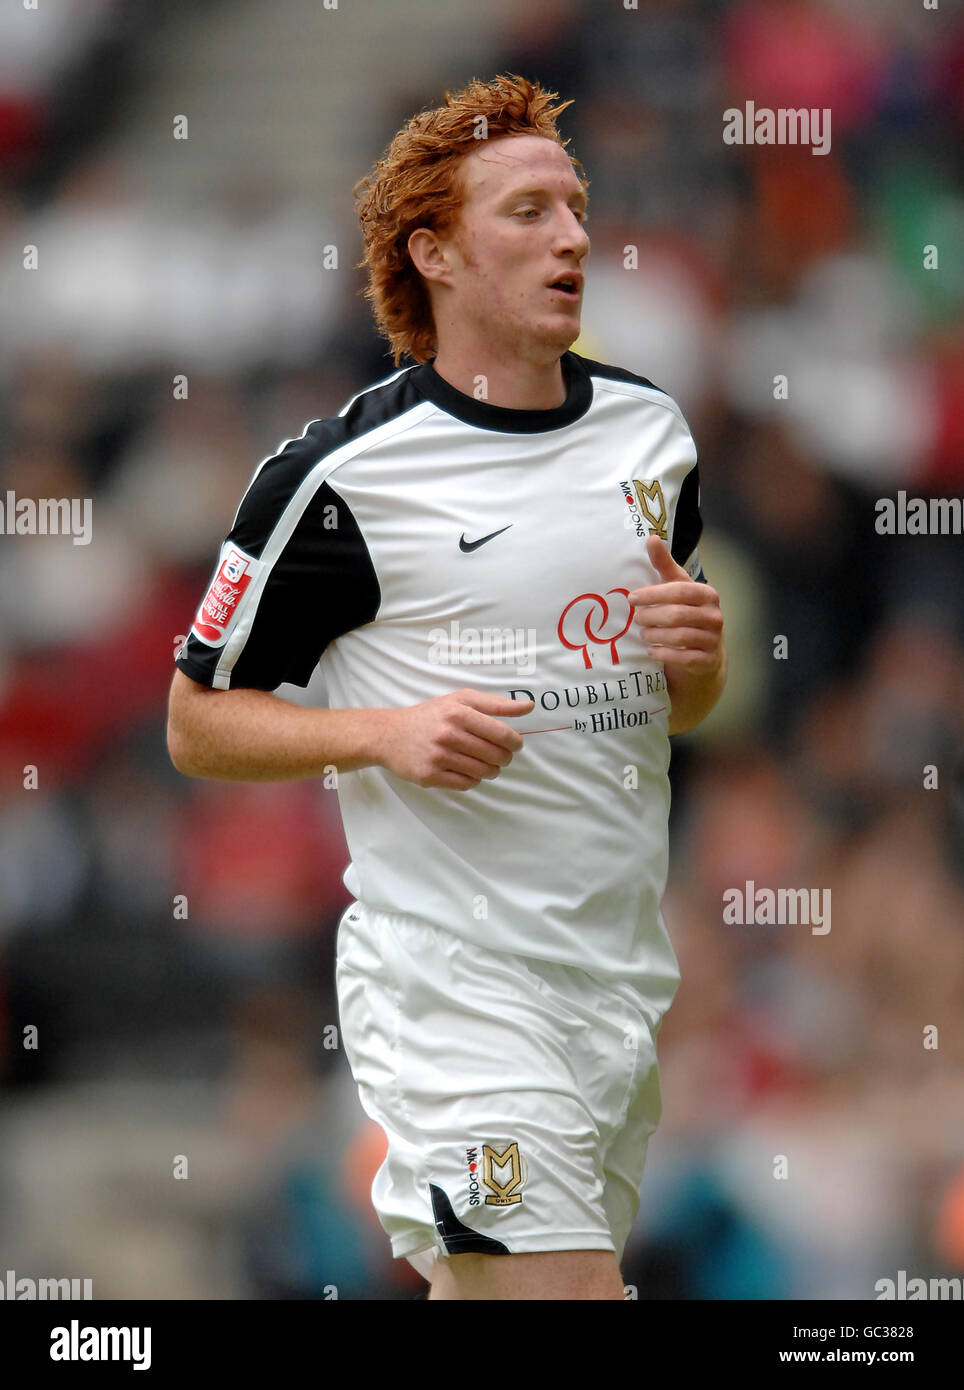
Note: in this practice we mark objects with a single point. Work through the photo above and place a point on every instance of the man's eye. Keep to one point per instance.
(524, 212)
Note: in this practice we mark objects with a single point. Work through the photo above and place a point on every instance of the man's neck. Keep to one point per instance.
(515, 385)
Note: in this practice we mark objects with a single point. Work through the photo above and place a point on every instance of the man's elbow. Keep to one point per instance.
(181, 730)
(179, 749)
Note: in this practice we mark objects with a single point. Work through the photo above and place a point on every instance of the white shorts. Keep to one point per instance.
(517, 1095)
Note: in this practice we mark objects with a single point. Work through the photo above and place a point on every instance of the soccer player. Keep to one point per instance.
(493, 555)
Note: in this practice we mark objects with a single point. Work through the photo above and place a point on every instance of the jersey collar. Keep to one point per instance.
(499, 417)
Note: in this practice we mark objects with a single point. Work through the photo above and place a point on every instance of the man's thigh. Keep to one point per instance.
(553, 1274)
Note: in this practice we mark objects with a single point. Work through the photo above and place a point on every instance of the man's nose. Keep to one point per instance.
(573, 236)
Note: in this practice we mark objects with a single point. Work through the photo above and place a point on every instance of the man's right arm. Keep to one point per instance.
(287, 583)
(245, 735)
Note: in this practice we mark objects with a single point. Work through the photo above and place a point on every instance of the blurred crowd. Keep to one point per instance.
(172, 941)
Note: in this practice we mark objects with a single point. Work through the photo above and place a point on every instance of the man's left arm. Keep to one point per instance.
(682, 625)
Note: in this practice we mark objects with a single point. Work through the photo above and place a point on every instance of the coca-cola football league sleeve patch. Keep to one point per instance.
(222, 610)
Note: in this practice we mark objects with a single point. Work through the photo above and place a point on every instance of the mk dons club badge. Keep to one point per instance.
(504, 1172)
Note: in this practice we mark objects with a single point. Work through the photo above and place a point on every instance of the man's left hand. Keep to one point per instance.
(680, 617)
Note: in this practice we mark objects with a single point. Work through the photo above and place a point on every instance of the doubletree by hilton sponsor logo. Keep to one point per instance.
(589, 621)
(13, 1288)
(615, 688)
(46, 516)
(570, 697)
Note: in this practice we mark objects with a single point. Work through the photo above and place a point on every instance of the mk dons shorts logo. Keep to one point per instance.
(646, 507)
(504, 1172)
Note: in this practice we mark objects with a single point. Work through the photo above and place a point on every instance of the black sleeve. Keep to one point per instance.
(293, 574)
(688, 526)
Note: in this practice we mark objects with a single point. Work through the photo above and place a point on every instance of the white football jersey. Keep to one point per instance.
(423, 541)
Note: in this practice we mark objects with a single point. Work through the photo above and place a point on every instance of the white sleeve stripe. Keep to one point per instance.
(647, 393)
(386, 381)
(254, 476)
(284, 444)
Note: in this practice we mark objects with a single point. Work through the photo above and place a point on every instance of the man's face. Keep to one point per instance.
(518, 231)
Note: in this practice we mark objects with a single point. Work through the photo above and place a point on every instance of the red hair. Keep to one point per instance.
(415, 184)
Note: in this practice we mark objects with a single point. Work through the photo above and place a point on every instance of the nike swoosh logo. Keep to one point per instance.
(474, 545)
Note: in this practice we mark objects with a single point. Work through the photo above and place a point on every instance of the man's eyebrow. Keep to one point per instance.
(529, 191)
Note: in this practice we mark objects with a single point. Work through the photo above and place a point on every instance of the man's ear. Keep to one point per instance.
(429, 256)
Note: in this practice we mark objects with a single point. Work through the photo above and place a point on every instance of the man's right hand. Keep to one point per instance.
(454, 741)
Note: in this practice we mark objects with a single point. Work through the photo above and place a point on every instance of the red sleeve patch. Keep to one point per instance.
(228, 587)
